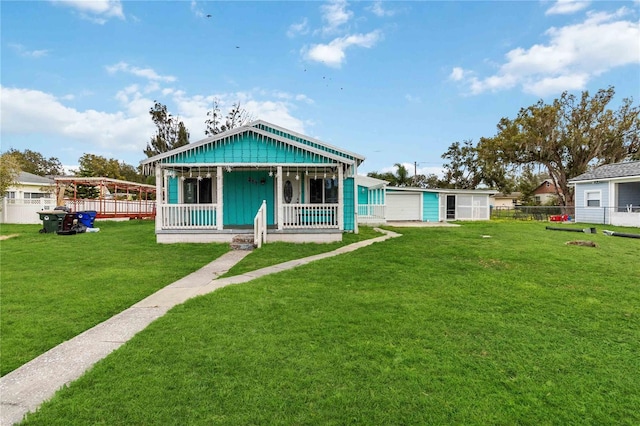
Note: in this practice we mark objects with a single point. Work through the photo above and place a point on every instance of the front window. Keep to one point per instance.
(197, 191)
(34, 195)
(592, 198)
(323, 191)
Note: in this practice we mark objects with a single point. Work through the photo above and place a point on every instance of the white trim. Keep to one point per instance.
(279, 198)
(220, 198)
(246, 129)
(159, 201)
(586, 198)
(341, 203)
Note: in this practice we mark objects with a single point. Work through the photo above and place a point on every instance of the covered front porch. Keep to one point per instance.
(215, 202)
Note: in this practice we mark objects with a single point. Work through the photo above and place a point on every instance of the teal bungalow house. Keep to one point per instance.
(259, 178)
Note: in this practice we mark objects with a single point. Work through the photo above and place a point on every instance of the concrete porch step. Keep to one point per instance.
(242, 242)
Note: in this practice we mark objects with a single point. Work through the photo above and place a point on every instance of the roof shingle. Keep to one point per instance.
(610, 171)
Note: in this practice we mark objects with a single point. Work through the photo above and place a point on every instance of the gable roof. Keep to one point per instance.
(267, 130)
(369, 182)
(30, 178)
(611, 171)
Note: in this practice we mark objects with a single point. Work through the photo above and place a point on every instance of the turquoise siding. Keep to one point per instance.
(349, 200)
(363, 195)
(246, 149)
(430, 207)
(243, 194)
(172, 190)
(305, 141)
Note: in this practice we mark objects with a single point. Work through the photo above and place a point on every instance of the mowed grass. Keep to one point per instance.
(439, 326)
(54, 287)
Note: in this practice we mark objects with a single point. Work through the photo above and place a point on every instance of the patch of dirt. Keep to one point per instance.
(6, 237)
(581, 243)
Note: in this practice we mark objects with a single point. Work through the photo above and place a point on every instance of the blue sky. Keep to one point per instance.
(395, 81)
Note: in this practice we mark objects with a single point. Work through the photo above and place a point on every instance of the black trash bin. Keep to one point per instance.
(51, 221)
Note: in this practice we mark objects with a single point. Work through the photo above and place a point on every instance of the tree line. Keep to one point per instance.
(556, 141)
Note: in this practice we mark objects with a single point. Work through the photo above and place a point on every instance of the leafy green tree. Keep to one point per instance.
(236, 117)
(566, 137)
(462, 171)
(35, 163)
(9, 171)
(527, 183)
(427, 181)
(171, 132)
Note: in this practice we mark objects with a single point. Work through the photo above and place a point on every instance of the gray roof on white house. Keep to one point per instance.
(30, 178)
(611, 171)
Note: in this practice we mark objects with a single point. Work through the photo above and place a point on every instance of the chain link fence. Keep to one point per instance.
(540, 213)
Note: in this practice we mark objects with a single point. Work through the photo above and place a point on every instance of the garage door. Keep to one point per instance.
(403, 206)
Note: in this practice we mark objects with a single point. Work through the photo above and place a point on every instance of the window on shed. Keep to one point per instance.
(592, 198)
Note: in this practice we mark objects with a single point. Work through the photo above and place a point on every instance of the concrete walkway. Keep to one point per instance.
(24, 389)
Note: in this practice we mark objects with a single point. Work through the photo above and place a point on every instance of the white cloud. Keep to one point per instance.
(565, 7)
(412, 99)
(147, 73)
(123, 134)
(301, 28)
(378, 10)
(97, 11)
(457, 74)
(107, 131)
(573, 55)
(335, 15)
(333, 54)
(22, 51)
(197, 10)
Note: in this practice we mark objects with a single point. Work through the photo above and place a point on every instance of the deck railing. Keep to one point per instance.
(189, 216)
(113, 206)
(306, 216)
(260, 225)
(371, 212)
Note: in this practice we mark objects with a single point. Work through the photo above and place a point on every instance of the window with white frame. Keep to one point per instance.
(34, 195)
(323, 191)
(592, 198)
(197, 191)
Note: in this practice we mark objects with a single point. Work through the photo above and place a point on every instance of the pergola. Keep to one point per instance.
(115, 199)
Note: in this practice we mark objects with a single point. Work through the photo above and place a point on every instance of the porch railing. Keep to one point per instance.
(371, 212)
(305, 216)
(189, 216)
(260, 225)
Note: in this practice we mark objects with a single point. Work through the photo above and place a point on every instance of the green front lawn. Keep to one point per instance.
(440, 326)
(54, 287)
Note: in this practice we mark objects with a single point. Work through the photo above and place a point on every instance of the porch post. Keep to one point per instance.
(355, 198)
(159, 196)
(340, 198)
(219, 198)
(279, 197)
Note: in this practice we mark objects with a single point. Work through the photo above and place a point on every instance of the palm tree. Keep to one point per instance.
(402, 176)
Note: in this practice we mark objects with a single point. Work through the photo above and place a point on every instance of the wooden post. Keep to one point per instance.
(340, 198)
(159, 198)
(279, 198)
(219, 198)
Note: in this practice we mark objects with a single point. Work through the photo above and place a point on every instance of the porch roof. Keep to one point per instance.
(265, 130)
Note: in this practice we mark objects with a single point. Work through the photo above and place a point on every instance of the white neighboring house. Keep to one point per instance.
(29, 195)
(609, 194)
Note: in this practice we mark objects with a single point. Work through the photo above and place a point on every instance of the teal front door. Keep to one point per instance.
(243, 194)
